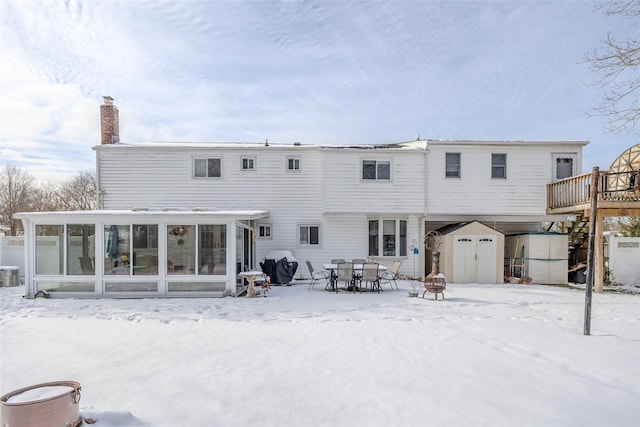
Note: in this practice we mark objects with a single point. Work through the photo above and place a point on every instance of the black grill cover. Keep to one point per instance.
(280, 266)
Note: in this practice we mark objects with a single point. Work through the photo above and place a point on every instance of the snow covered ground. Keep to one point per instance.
(489, 355)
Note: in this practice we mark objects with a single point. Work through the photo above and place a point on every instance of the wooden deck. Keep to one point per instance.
(618, 194)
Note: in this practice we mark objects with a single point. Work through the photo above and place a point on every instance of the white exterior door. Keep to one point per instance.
(474, 259)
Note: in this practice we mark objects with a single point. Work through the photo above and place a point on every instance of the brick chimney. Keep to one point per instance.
(109, 121)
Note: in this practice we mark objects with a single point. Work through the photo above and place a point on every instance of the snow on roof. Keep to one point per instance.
(253, 146)
(418, 144)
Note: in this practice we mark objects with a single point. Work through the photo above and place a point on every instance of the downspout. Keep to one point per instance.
(422, 265)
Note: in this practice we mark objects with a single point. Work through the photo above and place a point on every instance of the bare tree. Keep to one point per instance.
(16, 190)
(618, 65)
(78, 192)
(45, 198)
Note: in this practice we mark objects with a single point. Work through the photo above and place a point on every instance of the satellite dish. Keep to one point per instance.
(628, 161)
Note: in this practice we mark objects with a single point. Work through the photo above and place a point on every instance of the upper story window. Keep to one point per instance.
(248, 163)
(498, 165)
(563, 167)
(309, 234)
(452, 165)
(293, 164)
(376, 169)
(207, 168)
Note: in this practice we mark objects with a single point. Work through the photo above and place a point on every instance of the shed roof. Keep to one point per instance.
(453, 227)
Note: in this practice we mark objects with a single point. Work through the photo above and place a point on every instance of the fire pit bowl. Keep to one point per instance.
(42, 405)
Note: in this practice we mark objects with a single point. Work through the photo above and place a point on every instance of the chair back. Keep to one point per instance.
(310, 267)
(337, 261)
(345, 271)
(358, 261)
(395, 268)
(370, 272)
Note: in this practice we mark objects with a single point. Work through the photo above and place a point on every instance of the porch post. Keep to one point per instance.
(598, 254)
(592, 261)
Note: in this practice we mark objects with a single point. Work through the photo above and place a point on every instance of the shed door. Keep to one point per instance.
(464, 259)
(474, 259)
(487, 248)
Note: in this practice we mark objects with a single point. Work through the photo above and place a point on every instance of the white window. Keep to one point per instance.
(309, 234)
(563, 167)
(248, 163)
(498, 165)
(387, 237)
(376, 169)
(293, 164)
(264, 231)
(207, 168)
(452, 165)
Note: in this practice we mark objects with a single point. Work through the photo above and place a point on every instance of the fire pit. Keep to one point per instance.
(42, 405)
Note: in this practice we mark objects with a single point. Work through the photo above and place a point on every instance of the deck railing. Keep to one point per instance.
(576, 190)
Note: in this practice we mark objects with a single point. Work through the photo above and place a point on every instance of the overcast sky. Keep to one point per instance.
(321, 72)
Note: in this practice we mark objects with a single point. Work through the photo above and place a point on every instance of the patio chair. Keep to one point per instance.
(391, 276)
(370, 275)
(316, 276)
(357, 274)
(345, 274)
(337, 261)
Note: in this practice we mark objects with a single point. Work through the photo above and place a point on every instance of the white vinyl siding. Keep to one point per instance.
(330, 192)
(344, 190)
(476, 193)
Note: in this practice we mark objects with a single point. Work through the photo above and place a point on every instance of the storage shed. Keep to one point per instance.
(471, 252)
(543, 256)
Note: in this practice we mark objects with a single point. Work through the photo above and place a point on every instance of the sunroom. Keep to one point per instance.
(138, 253)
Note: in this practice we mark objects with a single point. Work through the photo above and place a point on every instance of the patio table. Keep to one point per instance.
(333, 272)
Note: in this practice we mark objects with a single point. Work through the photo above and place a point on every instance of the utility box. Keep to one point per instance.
(624, 260)
(544, 256)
